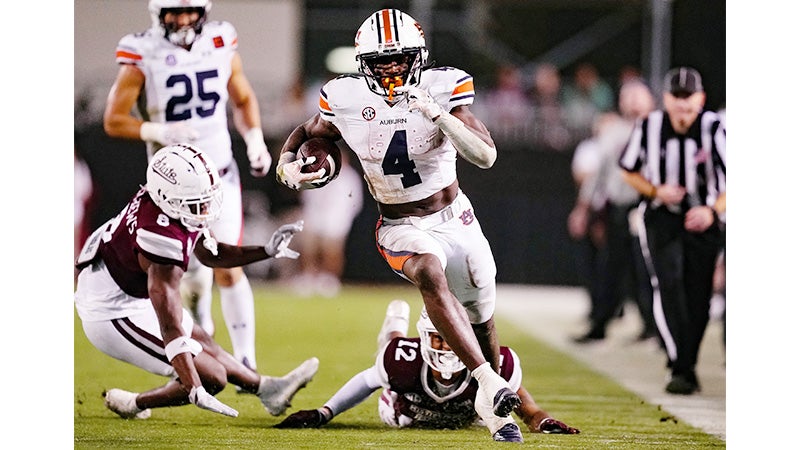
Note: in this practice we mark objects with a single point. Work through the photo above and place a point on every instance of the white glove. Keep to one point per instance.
(278, 245)
(288, 172)
(167, 133)
(202, 399)
(419, 99)
(257, 153)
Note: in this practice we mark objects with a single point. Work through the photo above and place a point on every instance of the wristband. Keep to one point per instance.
(653, 192)
(151, 131)
(180, 345)
(254, 135)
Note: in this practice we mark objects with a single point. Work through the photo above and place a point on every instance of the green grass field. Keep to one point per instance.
(342, 332)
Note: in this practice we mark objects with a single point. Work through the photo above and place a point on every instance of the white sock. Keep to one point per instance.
(196, 288)
(239, 314)
(203, 312)
(489, 380)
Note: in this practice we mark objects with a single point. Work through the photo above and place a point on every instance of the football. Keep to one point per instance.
(328, 155)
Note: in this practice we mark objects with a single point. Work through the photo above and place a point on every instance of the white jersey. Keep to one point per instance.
(187, 85)
(404, 155)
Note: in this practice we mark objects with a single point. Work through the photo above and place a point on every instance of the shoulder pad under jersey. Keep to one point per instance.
(448, 86)
(223, 34)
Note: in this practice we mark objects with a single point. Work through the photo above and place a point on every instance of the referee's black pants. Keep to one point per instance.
(621, 273)
(681, 266)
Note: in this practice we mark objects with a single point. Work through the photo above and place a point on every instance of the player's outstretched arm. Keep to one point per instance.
(216, 254)
(537, 419)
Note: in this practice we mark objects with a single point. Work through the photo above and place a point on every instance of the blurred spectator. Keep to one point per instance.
(585, 98)
(296, 103)
(328, 213)
(622, 272)
(550, 128)
(586, 223)
(627, 73)
(506, 109)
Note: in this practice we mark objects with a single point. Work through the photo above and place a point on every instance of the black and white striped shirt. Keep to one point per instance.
(695, 160)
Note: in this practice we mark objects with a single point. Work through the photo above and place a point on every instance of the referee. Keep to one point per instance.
(676, 159)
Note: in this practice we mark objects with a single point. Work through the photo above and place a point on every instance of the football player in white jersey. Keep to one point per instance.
(128, 298)
(407, 123)
(180, 74)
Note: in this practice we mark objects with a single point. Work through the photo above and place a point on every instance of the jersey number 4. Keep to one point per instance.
(397, 162)
(174, 110)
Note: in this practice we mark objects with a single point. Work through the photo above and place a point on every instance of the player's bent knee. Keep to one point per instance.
(212, 373)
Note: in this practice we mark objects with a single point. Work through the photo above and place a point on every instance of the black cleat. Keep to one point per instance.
(509, 433)
(504, 402)
(591, 336)
(682, 385)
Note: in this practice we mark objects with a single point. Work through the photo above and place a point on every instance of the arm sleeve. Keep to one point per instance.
(355, 391)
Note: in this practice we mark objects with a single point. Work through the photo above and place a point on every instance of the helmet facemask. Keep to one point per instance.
(182, 36)
(446, 362)
(198, 213)
(383, 80)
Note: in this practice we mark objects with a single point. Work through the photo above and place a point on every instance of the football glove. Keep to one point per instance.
(307, 418)
(167, 133)
(288, 172)
(553, 426)
(257, 153)
(278, 245)
(419, 99)
(202, 399)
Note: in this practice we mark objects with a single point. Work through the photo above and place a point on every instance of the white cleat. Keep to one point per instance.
(397, 314)
(124, 404)
(276, 393)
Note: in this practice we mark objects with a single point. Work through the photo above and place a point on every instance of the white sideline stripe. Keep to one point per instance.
(555, 314)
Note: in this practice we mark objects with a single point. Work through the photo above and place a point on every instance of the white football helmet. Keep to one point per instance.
(445, 362)
(184, 183)
(387, 36)
(185, 36)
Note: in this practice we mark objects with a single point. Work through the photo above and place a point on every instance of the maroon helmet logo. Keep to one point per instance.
(165, 171)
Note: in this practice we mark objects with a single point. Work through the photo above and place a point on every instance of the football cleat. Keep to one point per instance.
(124, 404)
(397, 314)
(276, 393)
(505, 400)
(509, 433)
(308, 418)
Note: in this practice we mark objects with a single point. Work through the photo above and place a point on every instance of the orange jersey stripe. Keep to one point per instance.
(387, 29)
(464, 87)
(396, 262)
(323, 104)
(124, 54)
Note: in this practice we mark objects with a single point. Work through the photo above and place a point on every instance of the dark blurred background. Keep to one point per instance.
(524, 200)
